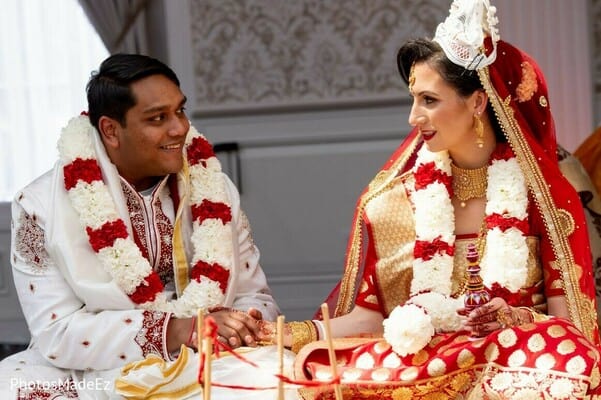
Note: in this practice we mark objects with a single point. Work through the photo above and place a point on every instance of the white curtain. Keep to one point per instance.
(47, 52)
(120, 23)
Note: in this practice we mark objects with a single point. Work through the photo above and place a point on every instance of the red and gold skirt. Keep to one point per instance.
(542, 360)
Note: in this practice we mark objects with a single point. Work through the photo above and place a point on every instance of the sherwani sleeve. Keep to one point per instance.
(252, 289)
(64, 332)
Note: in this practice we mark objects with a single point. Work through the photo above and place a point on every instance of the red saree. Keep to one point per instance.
(551, 358)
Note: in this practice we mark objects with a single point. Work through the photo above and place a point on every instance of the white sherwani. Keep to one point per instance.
(84, 328)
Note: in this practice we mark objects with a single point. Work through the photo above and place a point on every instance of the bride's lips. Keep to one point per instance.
(427, 135)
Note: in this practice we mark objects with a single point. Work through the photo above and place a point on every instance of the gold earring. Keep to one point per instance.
(479, 128)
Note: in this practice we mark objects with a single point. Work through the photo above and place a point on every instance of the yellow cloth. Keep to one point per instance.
(154, 378)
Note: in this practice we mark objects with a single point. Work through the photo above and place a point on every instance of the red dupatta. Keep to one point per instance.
(518, 93)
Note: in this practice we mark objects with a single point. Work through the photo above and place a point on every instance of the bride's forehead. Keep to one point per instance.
(426, 77)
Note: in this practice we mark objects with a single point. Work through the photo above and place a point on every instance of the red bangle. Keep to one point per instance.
(189, 342)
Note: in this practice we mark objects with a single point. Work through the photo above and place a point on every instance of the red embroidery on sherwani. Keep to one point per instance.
(86, 343)
(136, 217)
(53, 316)
(163, 231)
(164, 235)
(52, 390)
(30, 243)
(150, 336)
(128, 320)
(31, 287)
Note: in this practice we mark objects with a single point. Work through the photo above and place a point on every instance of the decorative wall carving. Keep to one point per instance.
(254, 54)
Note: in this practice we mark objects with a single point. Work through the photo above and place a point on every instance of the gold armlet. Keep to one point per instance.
(303, 332)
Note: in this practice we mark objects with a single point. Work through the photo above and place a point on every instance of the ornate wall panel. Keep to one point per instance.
(261, 54)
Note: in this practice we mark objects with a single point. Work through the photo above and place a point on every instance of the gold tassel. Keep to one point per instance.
(479, 128)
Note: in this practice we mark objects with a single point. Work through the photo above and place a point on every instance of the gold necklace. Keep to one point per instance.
(469, 183)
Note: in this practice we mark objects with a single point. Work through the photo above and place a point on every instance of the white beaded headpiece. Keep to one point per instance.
(462, 34)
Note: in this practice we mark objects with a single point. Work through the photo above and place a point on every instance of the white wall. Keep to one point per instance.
(557, 34)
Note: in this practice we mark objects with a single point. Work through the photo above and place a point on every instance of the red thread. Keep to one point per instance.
(189, 341)
(210, 331)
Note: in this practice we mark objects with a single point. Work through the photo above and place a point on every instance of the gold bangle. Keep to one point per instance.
(535, 315)
(303, 332)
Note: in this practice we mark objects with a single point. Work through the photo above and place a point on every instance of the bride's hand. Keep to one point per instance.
(266, 333)
(492, 316)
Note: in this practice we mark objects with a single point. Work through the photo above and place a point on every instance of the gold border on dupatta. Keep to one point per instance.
(180, 262)
(381, 182)
(554, 219)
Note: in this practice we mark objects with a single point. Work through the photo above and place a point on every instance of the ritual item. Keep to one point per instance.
(475, 293)
(332, 355)
(280, 346)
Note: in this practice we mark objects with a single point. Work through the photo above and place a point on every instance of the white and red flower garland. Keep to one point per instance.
(118, 253)
(503, 265)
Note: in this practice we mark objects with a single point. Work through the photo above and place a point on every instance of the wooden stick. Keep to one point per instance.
(280, 343)
(326, 322)
(200, 323)
(204, 349)
(207, 349)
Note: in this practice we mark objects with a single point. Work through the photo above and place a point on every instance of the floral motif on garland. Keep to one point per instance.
(119, 255)
(431, 308)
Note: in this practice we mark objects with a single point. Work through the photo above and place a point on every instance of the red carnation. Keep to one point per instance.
(428, 173)
(148, 289)
(208, 209)
(86, 170)
(213, 271)
(426, 250)
(521, 298)
(199, 150)
(502, 152)
(106, 235)
(504, 222)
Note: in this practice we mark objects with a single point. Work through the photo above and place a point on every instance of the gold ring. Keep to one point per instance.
(504, 317)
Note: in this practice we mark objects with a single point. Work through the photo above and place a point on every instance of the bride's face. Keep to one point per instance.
(444, 118)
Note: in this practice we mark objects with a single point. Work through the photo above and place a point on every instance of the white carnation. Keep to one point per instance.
(76, 140)
(431, 224)
(94, 203)
(124, 262)
(505, 259)
(197, 295)
(208, 240)
(192, 133)
(441, 159)
(507, 190)
(209, 185)
(434, 274)
(408, 329)
(442, 309)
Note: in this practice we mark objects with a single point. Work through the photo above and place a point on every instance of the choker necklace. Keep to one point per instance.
(469, 183)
